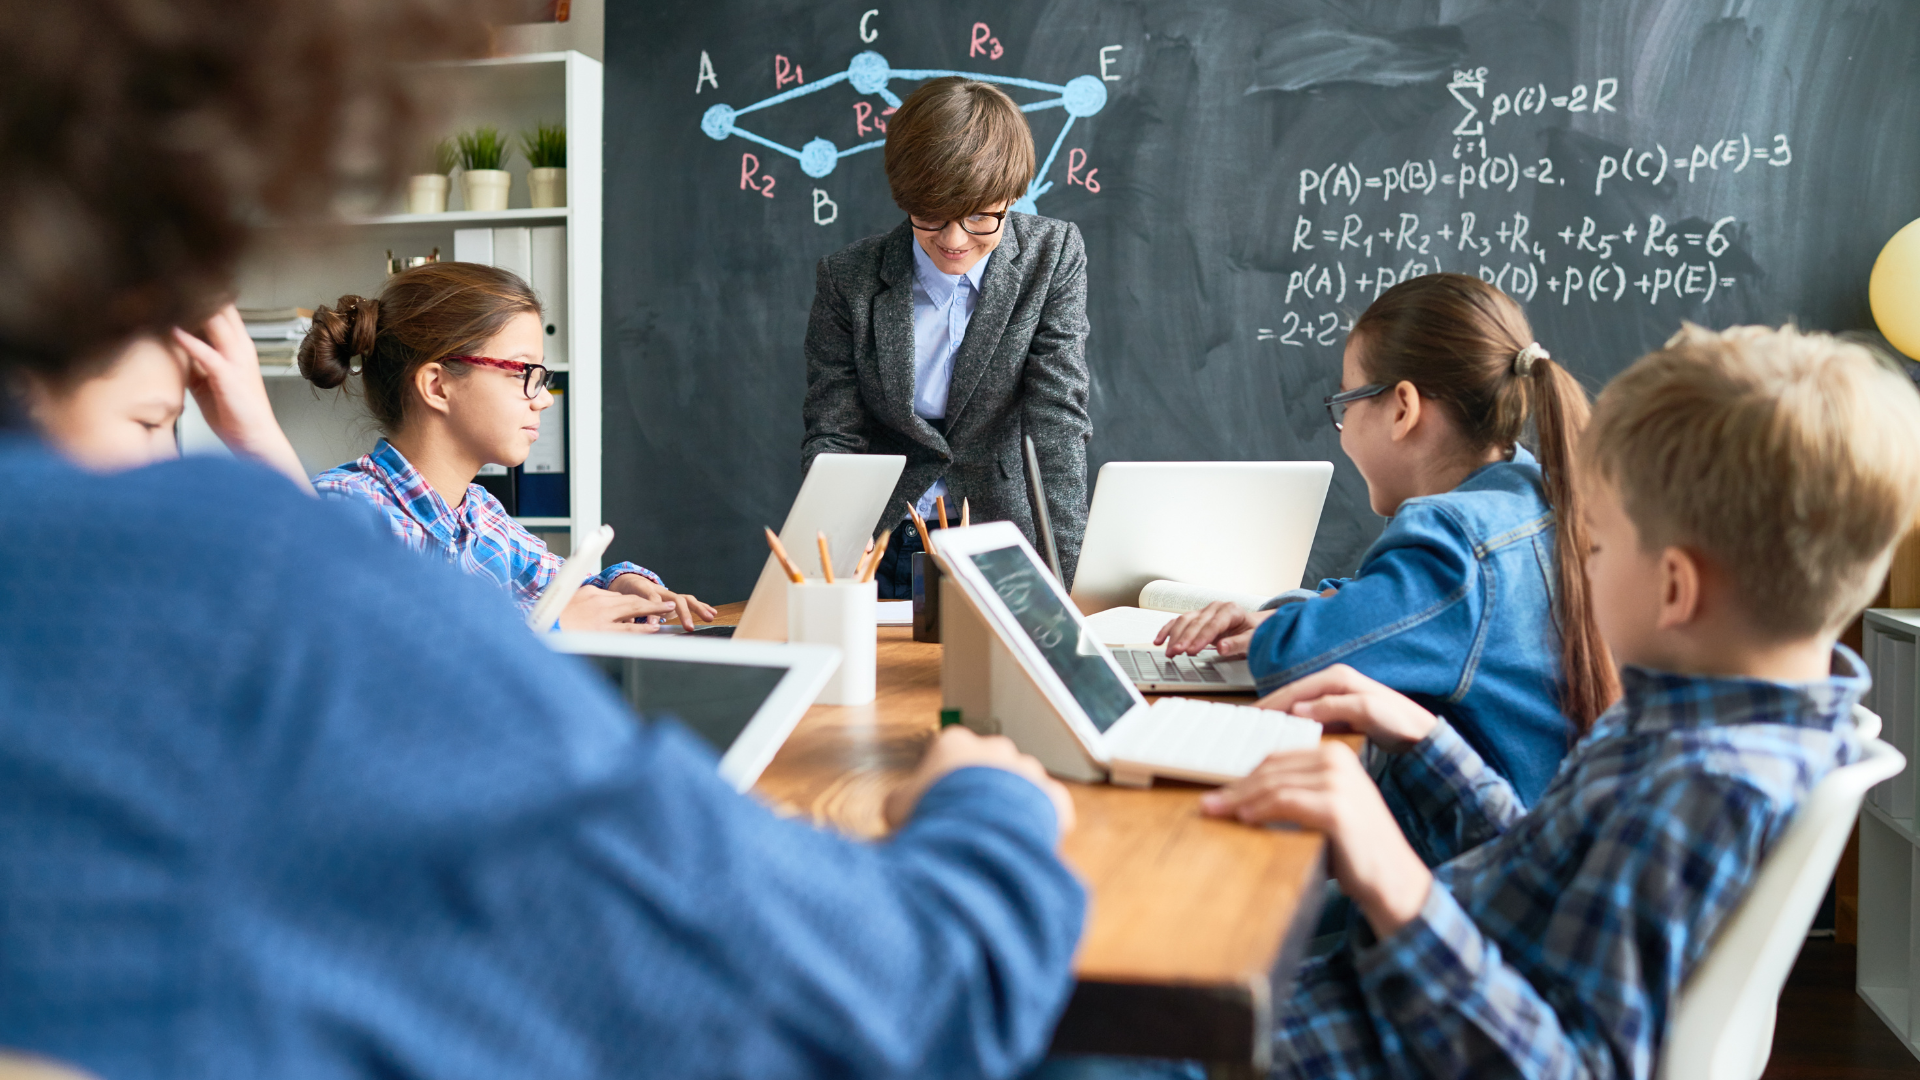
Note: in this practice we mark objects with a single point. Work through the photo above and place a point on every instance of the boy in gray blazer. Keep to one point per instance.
(963, 329)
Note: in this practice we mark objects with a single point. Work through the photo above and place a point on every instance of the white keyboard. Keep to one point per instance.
(1204, 741)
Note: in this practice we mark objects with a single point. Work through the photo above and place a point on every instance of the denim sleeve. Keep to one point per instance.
(604, 579)
(1407, 619)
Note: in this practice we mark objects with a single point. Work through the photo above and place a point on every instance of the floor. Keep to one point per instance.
(1824, 1030)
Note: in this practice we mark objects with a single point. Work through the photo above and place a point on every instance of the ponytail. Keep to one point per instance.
(1466, 345)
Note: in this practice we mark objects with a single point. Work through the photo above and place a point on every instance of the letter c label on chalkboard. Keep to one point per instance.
(866, 34)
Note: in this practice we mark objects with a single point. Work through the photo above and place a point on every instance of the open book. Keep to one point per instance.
(1160, 601)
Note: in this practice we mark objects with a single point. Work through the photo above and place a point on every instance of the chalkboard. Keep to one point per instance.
(1248, 174)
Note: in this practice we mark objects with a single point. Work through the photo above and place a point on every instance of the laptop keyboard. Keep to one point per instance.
(1154, 666)
(1201, 740)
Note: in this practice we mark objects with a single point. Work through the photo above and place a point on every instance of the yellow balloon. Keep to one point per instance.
(1894, 290)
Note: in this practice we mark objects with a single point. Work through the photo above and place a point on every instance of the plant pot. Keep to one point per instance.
(548, 187)
(486, 189)
(427, 194)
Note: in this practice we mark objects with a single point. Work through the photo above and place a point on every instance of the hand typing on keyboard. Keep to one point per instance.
(1221, 624)
(1342, 699)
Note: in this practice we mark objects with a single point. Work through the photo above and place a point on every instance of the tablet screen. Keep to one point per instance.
(1071, 650)
(716, 701)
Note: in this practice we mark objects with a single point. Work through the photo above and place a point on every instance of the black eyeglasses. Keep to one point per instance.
(1337, 403)
(533, 377)
(981, 223)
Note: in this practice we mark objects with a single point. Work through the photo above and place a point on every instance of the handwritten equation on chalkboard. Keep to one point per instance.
(1361, 229)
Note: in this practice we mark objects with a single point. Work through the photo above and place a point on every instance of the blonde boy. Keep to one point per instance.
(1747, 488)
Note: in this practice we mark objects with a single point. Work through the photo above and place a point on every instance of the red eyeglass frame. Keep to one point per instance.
(519, 367)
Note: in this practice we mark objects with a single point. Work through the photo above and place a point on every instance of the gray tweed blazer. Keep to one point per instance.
(1022, 370)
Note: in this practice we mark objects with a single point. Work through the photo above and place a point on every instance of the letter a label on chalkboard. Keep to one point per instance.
(706, 73)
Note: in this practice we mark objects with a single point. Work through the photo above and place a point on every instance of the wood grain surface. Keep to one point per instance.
(1194, 923)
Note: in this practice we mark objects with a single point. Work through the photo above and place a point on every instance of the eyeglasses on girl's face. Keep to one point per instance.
(978, 223)
(533, 377)
(1337, 403)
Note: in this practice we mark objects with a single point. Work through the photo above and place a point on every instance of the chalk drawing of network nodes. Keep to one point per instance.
(1084, 95)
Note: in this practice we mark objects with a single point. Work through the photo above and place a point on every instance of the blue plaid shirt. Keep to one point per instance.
(480, 538)
(1554, 942)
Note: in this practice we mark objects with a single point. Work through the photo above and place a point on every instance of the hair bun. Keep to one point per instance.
(348, 329)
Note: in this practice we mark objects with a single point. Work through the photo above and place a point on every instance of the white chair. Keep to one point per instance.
(1722, 1026)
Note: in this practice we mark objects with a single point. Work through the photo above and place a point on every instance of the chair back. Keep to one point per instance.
(1722, 1026)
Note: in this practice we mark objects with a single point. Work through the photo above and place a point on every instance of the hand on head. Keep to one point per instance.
(223, 373)
(958, 748)
(596, 609)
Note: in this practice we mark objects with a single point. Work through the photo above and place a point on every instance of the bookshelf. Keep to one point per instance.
(291, 268)
(1889, 920)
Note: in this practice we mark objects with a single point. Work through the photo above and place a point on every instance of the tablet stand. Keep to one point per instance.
(983, 679)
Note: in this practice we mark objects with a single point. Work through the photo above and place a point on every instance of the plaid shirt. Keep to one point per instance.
(479, 538)
(1554, 942)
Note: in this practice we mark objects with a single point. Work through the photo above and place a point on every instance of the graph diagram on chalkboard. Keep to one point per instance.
(868, 74)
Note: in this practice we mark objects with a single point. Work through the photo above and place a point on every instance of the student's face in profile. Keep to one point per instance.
(953, 249)
(120, 419)
(1623, 578)
(489, 410)
(1366, 436)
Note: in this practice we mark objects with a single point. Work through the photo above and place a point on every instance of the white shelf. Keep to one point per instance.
(1889, 920)
(466, 218)
(1902, 826)
(545, 522)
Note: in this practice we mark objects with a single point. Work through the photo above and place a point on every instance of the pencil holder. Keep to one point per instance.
(841, 614)
(926, 597)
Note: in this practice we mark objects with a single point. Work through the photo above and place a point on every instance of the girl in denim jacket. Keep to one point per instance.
(1472, 601)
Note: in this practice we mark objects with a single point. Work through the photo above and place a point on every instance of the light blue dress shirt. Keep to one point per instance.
(942, 307)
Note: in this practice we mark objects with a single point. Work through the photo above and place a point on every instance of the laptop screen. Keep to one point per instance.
(716, 701)
(1070, 649)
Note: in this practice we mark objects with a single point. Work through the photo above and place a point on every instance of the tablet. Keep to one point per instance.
(742, 698)
(581, 565)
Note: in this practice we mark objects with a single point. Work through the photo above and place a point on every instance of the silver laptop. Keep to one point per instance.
(742, 698)
(842, 496)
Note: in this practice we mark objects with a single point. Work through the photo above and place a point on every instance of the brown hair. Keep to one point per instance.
(1787, 458)
(423, 316)
(1458, 340)
(144, 137)
(956, 146)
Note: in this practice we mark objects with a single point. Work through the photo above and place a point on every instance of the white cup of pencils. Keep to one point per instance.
(835, 609)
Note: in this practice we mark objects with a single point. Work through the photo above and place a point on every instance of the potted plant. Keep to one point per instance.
(545, 148)
(427, 192)
(482, 181)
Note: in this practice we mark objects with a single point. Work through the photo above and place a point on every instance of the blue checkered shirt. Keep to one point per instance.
(1554, 942)
(479, 538)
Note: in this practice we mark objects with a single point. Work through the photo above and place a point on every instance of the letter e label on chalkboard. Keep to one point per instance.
(706, 73)
(983, 43)
(1106, 60)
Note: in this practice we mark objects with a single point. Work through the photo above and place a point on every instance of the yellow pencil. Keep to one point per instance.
(826, 559)
(920, 523)
(879, 552)
(940, 504)
(786, 561)
(966, 514)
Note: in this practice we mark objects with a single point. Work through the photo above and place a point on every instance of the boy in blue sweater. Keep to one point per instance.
(1746, 489)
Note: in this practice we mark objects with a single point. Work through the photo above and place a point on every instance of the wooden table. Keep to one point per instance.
(1195, 924)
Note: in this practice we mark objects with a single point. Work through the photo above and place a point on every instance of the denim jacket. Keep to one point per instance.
(1452, 606)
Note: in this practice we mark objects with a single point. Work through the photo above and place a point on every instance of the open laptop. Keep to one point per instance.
(1240, 526)
(842, 496)
(742, 698)
(1081, 692)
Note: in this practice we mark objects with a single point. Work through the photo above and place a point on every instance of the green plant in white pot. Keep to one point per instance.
(545, 148)
(427, 192)
(482, 181)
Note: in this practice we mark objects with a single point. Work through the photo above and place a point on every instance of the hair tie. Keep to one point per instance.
(1523, 360)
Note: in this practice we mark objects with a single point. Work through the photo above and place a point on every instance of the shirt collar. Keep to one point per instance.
(1654, 701)
(939, 286)
(422, 502)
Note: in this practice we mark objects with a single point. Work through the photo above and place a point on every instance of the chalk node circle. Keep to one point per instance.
(818, 158)
(717, 122)
(1084, 95)
(869, 72)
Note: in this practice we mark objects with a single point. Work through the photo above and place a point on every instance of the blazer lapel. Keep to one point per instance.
(893, 340)
(999, 290)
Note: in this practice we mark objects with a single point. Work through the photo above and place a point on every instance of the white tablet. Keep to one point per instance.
(1033, 615)
(842, 496)
(581, 565)
(743, 698)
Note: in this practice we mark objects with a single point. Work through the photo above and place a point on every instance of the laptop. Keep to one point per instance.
(842, 496)
(1085, 714)
(1240, 526)
(742, 698)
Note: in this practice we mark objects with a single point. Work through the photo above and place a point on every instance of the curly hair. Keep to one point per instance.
(146, 140)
